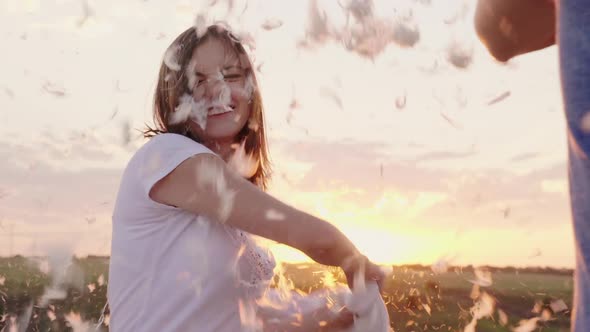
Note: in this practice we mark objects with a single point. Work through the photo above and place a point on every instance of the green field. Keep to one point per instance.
(417, 299)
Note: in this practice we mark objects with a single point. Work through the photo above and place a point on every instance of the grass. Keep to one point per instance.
(416, 298)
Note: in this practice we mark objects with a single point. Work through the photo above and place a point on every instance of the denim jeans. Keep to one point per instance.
(574, 54)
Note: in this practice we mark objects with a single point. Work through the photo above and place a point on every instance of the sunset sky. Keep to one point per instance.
(414, 158)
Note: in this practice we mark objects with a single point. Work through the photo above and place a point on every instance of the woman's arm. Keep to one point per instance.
(512, 27)
(206, 186)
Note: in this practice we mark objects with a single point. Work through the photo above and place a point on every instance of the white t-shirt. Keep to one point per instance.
(171, 270)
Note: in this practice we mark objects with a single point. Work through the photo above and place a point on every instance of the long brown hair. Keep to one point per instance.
(172, 84)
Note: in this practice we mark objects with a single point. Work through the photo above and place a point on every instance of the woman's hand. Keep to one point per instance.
(322, 319)
(361, 265)
(512, 27)
(329, 321)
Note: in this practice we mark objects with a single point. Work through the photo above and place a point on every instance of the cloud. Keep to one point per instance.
(481, 199)
(44, 194)
(358, 165)
(351, 172)
(524, 156)
(48, 194)
(342, 182)
(444, 155)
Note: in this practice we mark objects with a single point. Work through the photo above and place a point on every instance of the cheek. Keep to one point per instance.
(198, 94)
(242, 101)
(240, 95)
(242, 113)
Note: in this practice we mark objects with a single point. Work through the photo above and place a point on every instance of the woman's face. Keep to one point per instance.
(221, 90)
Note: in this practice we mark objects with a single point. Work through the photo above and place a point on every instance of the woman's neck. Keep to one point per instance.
(223, 149)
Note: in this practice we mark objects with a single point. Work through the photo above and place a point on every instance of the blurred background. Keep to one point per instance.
(387, 118)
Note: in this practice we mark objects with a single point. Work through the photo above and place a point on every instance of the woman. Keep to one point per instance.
(183, 258)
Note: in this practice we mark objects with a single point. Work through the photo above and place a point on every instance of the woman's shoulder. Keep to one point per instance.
(170, 138)
(166, 147)
(169, 143)
(157, 157)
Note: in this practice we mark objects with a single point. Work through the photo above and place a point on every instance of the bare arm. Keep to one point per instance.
(205, 185)
(512, 27)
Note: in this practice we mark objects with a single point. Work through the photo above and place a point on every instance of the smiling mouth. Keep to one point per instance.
(220, 109)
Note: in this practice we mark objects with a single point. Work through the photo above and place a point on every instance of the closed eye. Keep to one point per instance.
(232, 77)
(200, 78)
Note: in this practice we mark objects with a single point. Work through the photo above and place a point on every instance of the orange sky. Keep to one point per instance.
(442, 175)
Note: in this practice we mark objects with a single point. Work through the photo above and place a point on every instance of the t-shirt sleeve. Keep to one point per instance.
(162, 154)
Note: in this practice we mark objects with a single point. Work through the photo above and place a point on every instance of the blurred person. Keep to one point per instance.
(509, 28)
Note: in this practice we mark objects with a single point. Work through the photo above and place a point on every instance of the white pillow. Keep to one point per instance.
(369, 309)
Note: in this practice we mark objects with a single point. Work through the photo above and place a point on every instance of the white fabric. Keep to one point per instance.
(171, 270)
(371, 313)
(364, 301)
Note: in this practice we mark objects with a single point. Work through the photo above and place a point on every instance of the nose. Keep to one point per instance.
(215, 91)
(213, 88)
